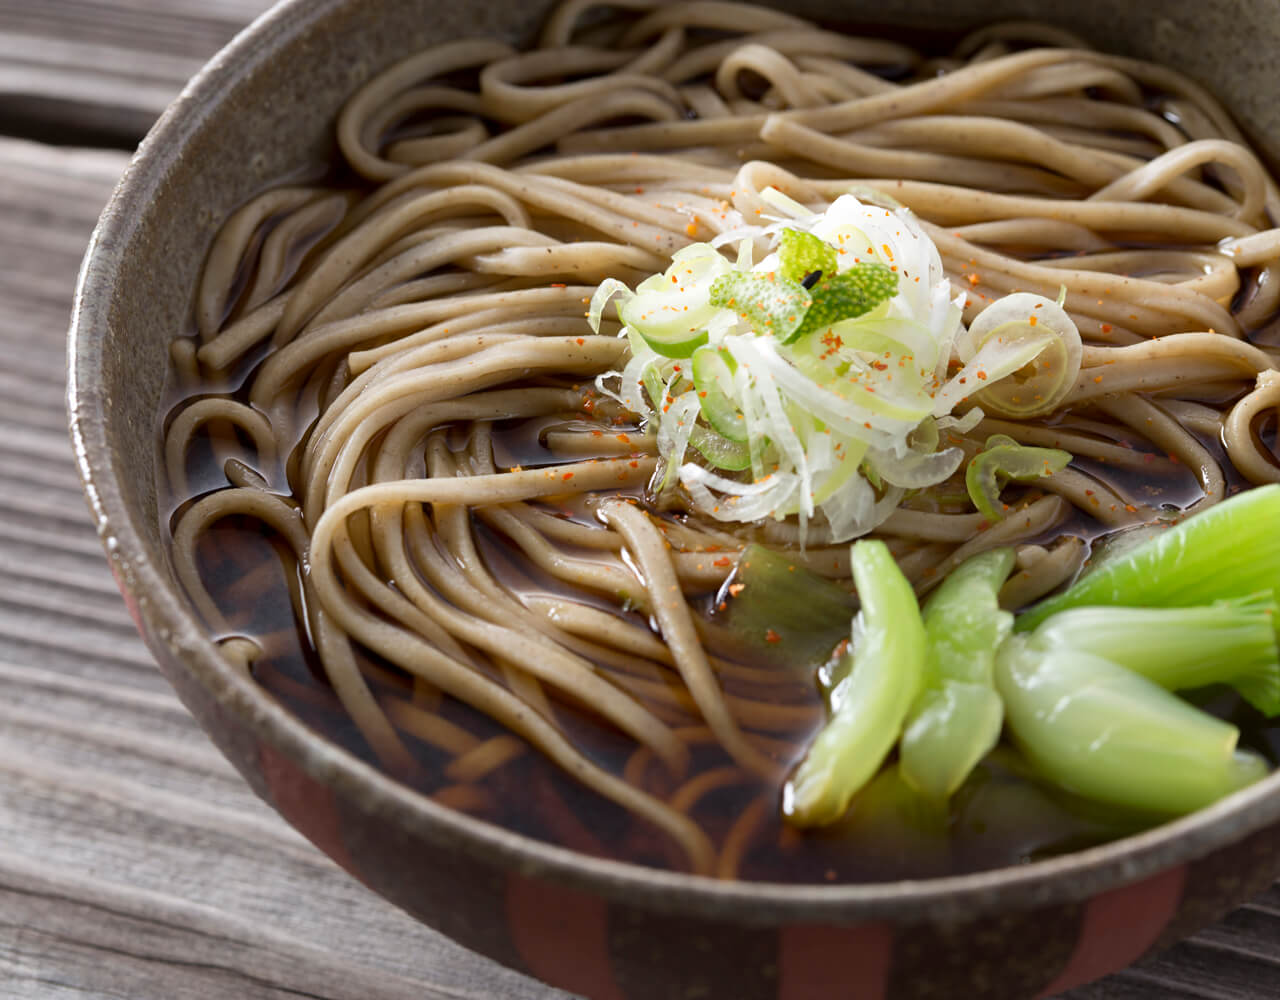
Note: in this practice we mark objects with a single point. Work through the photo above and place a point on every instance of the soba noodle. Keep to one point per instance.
(392, 371)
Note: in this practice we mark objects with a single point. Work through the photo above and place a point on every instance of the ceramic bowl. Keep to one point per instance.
(263, 109)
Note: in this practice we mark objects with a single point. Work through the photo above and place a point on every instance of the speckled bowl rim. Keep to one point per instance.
(168, 618)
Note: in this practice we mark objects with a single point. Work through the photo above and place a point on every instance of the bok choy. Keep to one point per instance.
(1231, 550)
(1105, 732)
(1085, 686)
(956, 720)
(869, 703)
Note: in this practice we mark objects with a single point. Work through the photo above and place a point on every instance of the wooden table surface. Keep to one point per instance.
(134, 862)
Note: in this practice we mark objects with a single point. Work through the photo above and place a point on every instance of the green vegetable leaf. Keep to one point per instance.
(713, 380)
(1227, 642)
(772, 304)
(964, 621)
(957, 718)
(952, 726)
(1108, 733)
(671, 310)
(870, 704)
(1230, 550)
(719, 450)
(1006, 809)
(1004, 459)
(800, 254)
(891, 826)
(847, 295)
(778, 607)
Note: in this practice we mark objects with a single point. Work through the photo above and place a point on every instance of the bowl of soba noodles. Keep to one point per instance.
(719, 500)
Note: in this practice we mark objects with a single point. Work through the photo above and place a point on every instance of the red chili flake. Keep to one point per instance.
(691, 229)
(596, 434)
(723, 561)
(1031, 320)
(624, 438)
(558, 284)
(567, 476)
(736, 588)
(635, 465)
(581, 341)
(1106, 327)
(772, 636)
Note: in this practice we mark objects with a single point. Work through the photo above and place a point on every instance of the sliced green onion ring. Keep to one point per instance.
(713, 380)
(1038, 385)
(1004, 459)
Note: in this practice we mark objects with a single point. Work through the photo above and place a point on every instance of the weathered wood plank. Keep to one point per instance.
(109, 67)
(133, 861)
(83, 935)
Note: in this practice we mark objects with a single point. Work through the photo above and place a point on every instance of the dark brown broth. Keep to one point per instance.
(999, 817)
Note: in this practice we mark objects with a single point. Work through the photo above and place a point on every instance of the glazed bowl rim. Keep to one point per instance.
(167, 619)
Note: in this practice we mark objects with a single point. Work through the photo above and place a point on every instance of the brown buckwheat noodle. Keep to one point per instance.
(364, 347)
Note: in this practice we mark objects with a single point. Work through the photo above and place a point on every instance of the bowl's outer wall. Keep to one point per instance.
(264, 112)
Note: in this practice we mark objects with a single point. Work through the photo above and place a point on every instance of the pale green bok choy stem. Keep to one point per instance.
(1107, 733)
(1230, 550)
(956, 720)
(1227, 642)
(869, 705)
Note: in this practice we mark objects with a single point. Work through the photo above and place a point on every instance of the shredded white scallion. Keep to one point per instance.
(829, 406)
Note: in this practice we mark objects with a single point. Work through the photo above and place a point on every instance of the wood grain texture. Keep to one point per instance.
(110, 66)
(134, 863)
